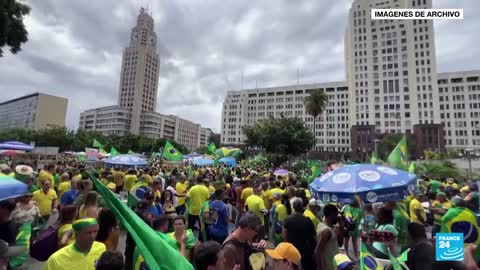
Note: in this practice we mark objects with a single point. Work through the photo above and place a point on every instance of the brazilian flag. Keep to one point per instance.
(136, 193)
(138, 260)
(399, 262)
(23, 240)
(462, 220)
(398, 158)
(314, 170)
(170, 153)
(367, 261)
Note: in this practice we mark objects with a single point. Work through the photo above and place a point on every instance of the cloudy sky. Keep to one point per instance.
(75, 47)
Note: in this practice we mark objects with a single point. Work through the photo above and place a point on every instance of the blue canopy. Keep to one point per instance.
(373, 183)
(126, 161)
(202, 161)
(11, 188)
(13, 145)
(229, 161)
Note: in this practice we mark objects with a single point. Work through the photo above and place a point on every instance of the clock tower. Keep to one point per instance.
(140, 71)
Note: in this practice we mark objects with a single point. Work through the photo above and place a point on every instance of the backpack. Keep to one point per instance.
(254, 259)
(45, 244)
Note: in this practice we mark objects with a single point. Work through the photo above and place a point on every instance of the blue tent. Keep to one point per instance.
(125, 161)
(13, 145)
(202, 162)
(229, 161)
(373, 183)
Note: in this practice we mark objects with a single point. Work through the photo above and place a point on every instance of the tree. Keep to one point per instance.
(315, 104)
(280, 138)
(214, 138)
(12, 29)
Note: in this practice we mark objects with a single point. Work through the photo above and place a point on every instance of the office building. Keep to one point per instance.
(34, 111)
(137, 98)
(392, 86)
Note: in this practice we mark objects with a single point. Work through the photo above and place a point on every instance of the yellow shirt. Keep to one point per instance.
(148, 179)
(277, 190)
(181, 189)
(72, 259)
(44, 201)
(62, 187)
(267, 198)
(62, 230)
(45, 175)
(308, 195)
(130, 180)
(118, 178)
(246, 193)
(255, 204)
(281, 212)
(211, 189)
(437, 216)
(416, 205)
(198, 195)
(312, 217)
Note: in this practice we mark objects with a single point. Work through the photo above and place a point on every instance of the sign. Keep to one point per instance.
(449, 247)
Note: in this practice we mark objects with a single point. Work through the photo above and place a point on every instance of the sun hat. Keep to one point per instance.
(285, 251)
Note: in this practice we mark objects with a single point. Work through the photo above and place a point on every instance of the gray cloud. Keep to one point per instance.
(75, 49)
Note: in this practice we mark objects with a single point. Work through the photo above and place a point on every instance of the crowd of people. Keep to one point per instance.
(226, 218)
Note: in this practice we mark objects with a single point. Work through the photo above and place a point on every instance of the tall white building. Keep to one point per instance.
(391, 86)
(137, 98)
(140, 71)
(245, 107)
(391, 68)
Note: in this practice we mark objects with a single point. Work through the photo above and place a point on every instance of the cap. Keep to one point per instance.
(10, 251)
(24, 170)
(342, 261)
(285, 251)
(439, 193)
(111, 186)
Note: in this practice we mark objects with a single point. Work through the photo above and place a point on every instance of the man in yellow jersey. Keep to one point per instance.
(198, 195)
(247, 192)
(255, 204)
(46, 199)
(118, 179)
(312, 211)
(181, 189)
(439, 208)
(83, 253)
(130, 179)
(277, 188)
(46, 174)
(417, 212)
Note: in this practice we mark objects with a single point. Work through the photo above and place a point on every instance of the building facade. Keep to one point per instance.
(245, 107)
(140, 71)
(391, 86)
(137, 96)
(35, 111)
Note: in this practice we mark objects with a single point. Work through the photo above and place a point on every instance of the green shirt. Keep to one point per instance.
(33, 188)
(435, 184)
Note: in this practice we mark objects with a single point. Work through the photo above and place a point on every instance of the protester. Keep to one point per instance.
(90, 207)
(65, 232)
(439, 207)
(417, 212)
(237, 247)
(64, 184)
(181, 235)
(218, 227)
(385, 224)
(83, 253)
(26, 210)
(299, 231)
(255, 204)
(353, 214)
(8, 227)
(314, 207)
(110, 260)
(71, 195)
(161, 224)
(181, 191)
(327, 244)
(285, 257)
(108, 232)
(46, 199)
(198, 195)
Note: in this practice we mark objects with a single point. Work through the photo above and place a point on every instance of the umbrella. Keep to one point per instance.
(126, 160)
(373, 183)
(202, 162)
(16, 146)
(11, 152)
(281, 172)
(11, 188)
(229, 161)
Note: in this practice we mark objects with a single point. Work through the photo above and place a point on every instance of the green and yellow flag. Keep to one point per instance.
(170, 153)
(114, 152)
(155, 248)
(462, 220)
(411, 167)
(23, 240)
(97, 144)
(102, 152)
(211, 149)
(367, 261)
(373, 159)
(314, 170)
(398, 158)
(399, 262)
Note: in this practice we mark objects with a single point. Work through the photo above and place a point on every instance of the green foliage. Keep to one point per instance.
(280, 138)
(12, 29)
(432, 155)
(315, 103)
(69, 140)
(438, 169)
(388, 143)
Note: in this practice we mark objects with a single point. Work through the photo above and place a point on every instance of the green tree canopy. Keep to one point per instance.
(315, 103)
(12, 29)
(280, 138)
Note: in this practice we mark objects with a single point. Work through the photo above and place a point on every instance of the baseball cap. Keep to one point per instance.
(285, 251)
(342, 261)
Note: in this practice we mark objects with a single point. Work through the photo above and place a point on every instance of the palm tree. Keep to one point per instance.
(315, 104)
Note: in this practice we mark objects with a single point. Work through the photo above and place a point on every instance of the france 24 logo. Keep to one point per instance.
(449, 247)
